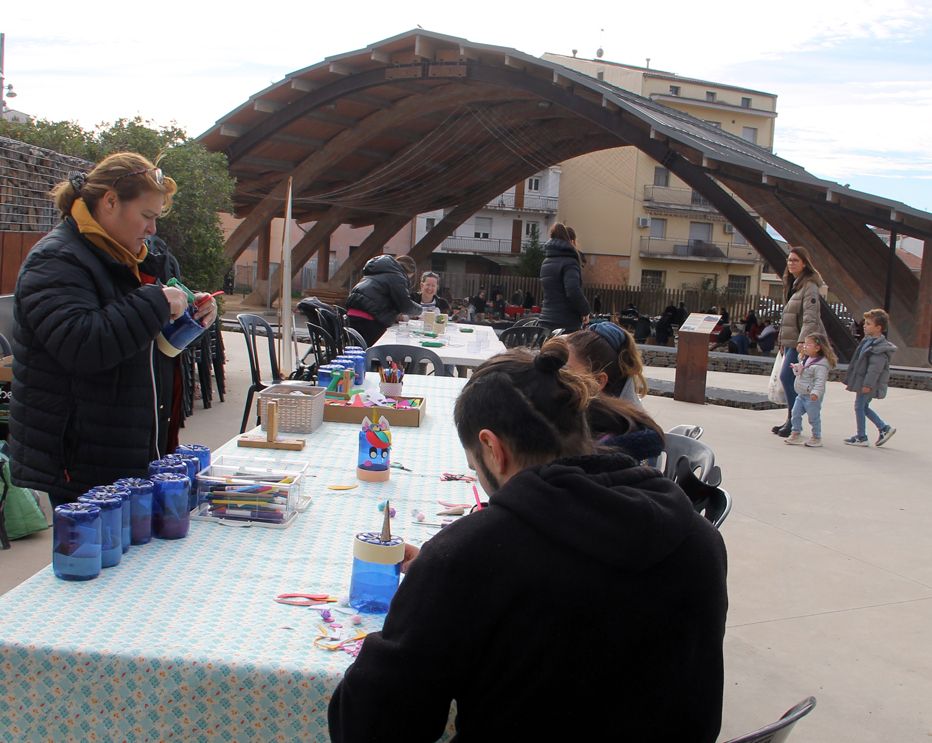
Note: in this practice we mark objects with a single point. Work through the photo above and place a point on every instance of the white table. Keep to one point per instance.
(183, 640)
(459, 348)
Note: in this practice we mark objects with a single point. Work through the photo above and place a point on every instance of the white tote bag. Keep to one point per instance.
(775, 391)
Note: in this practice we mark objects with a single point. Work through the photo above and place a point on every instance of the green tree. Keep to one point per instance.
(192, 228)
(531, 258)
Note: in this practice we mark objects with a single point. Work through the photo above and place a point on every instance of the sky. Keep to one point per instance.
(853, 77)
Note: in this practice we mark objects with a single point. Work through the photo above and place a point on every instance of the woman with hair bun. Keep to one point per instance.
(560, 516)
(88, 308)
(564, 306)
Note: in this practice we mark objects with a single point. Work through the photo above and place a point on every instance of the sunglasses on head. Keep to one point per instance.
(157, 175)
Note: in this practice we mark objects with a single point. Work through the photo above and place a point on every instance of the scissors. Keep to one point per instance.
(305, 599)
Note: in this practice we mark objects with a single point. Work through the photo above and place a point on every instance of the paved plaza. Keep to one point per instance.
(830, 559)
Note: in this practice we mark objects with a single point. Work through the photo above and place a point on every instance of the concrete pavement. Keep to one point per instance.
(830, 559)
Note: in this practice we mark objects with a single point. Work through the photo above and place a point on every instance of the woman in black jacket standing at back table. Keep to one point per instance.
(379, 298)
(565, 306)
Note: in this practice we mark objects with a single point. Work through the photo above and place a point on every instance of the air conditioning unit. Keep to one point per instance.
(729, 228)
(643, 221)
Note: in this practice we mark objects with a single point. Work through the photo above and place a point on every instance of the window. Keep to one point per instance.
(483, 227)
(749, 133)
(716, 124)
(658, 227)
(532, 229)
(652, 279)
(738, 239)
(429, 223)
(700, 232)
(600, 75)
(661, 177)
(745, 103)
(710, 96)
(697, 199)
(674, 90)
(533, 184)
(738, 284)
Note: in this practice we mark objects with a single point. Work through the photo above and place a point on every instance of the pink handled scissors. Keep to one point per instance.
(305, 599)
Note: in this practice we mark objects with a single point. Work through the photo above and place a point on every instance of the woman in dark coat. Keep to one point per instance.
(565, 306)
(379, 298)
(87, 311)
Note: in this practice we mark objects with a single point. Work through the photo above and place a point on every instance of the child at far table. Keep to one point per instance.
(868, 374)
(816, 357)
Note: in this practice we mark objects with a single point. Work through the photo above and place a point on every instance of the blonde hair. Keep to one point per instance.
(825, 347)
(878, 317)
(127, 174)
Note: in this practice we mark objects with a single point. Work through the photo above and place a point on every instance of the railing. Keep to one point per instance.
(477, 245)
(676, 197)
(532, 203)
(662, 247)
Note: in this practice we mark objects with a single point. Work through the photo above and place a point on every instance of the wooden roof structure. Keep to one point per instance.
(424, 121)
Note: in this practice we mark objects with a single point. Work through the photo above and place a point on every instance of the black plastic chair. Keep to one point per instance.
(779, 731)
(526, 336)
(253, 328)
(323, 348)
(686, 429)
(330, 317)
(353, 338)
(410, 358)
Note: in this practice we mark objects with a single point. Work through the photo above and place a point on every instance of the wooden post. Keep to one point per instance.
(692, 364)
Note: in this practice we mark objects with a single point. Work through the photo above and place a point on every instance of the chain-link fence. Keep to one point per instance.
(27, 174)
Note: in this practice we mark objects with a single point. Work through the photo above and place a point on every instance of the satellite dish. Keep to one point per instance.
(574, 52)
(599, 52)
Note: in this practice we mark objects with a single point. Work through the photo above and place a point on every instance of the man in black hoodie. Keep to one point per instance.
(586, 602)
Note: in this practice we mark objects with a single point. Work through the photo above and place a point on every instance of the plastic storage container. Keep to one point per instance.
(171, 517)
(126, 536)
(140, 501)
(111, 526)
(76, 534)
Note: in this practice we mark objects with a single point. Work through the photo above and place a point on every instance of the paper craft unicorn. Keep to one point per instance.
(375, 449)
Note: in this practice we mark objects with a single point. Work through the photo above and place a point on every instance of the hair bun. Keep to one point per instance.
(77, 180)
(550, 360)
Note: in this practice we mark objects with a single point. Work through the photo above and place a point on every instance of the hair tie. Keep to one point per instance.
(548, 362)
(77, 180)
(616, 337)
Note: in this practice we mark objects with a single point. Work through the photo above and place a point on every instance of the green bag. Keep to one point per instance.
(21, 511)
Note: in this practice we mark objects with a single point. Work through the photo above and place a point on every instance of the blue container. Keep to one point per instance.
(171, 517)
(111, 527)
(325, 374)
(178, 335)
(194, 466)
(359, 365)
(167, 465)
(140, 499)
(125, 512)
(376, 572)
(196, 450)
(76, 533)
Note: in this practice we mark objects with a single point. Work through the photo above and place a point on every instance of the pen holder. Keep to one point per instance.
(76, 541)
(178, 335)
(376, 571)
(140, 510)
(111, 526)
(390, 389)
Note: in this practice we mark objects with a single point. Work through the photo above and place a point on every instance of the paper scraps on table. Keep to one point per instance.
(349, 640)
(342, 487)
(452, 477)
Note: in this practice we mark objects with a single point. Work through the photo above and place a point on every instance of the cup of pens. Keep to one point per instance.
(390, 380)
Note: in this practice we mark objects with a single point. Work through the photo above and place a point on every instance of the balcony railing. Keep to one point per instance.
(657, 247)
(532, 203)
(478, 245)
(667, 196)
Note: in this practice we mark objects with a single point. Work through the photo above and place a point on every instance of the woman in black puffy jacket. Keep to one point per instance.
(564, 304)
(379, 298)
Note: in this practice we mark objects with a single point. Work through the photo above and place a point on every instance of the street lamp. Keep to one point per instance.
(8, 88)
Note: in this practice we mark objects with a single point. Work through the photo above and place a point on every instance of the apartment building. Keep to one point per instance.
(639, 224)
(496, 235)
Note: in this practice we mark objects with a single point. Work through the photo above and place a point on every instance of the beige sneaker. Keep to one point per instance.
(814, 442)
(794, 439)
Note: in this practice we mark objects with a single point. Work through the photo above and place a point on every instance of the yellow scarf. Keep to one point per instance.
(89, 227)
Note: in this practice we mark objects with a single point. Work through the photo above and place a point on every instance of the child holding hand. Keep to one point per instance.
(868, 374)
(816, 357)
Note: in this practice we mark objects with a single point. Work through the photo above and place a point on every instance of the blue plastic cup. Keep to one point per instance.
(171, 517)
(376, 572)
(76, 535)
(196, 450)
(126, 537)
(140, 491)
(178, 335)
(111, 527)
(194, 466)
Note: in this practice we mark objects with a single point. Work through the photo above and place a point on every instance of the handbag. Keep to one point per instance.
(775, 391)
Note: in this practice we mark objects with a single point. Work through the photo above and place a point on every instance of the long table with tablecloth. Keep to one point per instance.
(183, 639)
(462, 345)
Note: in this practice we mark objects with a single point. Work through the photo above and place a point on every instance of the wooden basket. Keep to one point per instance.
(300, 406)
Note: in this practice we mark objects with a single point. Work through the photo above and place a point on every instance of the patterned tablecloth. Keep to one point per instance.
(183, 641)
(458, 349)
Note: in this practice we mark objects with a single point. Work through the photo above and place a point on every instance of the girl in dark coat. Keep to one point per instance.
(565, 306)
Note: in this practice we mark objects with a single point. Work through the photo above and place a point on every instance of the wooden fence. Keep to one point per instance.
(13, 249)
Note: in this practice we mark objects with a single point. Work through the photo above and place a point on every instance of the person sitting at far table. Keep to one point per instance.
(482, 616)
(428, 297)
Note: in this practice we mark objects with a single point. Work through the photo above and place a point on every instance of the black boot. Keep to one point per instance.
(784, 430)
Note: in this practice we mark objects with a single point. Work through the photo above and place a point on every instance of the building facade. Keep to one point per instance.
(639, 224)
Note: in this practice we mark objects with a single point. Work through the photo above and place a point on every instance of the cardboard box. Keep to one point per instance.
(342, 413)
(6, 369)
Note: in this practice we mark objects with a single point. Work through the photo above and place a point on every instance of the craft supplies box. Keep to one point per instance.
(300, 406)
(344, 413)
(251, 491)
